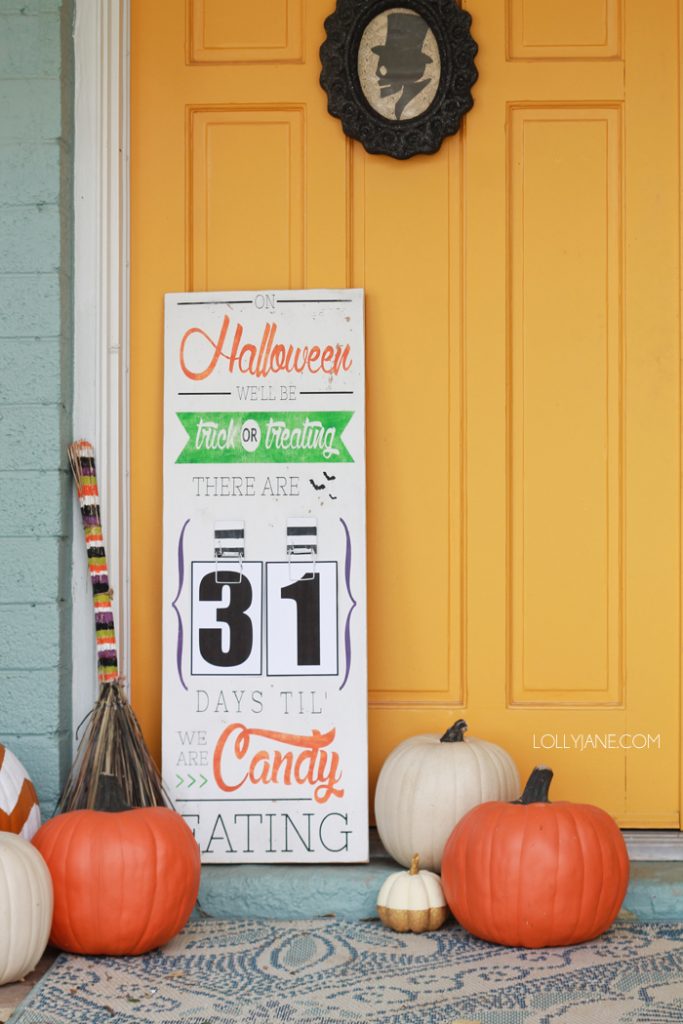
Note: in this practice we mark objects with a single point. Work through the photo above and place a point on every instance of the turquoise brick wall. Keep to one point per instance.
(36, 230)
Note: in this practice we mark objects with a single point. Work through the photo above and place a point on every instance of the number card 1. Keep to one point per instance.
(264, 594)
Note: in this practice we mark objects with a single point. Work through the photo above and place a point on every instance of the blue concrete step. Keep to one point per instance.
(349, 891)
(655, 891)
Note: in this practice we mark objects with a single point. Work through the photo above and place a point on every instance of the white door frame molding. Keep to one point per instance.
(101, 313)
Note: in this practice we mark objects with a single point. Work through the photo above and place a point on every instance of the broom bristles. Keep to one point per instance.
(113, 743)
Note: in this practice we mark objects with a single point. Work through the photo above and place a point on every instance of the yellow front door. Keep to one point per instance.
(522, 330)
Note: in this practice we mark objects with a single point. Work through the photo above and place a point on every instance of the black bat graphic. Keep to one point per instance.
(328, 477)
(318, 487)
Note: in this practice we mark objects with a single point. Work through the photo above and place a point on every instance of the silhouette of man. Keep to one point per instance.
(402, 63)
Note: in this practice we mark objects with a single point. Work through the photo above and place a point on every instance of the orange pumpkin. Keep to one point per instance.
(534, 873)
(125, 880)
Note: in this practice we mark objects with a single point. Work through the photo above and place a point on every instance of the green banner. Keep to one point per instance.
(264, 437)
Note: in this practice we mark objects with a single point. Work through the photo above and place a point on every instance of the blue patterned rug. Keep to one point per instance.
(330, 972)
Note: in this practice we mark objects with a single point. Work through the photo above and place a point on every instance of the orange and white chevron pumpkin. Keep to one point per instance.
(19, 808)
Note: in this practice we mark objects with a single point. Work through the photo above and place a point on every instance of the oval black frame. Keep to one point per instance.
(345, 99)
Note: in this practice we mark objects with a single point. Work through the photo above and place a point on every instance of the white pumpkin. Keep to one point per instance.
(428, 783)
(19, 809)
(412, 901)
(25, 907)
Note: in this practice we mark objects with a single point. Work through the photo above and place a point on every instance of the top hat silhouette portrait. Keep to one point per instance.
(401, 61)
(399, 77)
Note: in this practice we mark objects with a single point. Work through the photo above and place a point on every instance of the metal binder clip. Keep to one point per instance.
(228, 540)
(302, 543)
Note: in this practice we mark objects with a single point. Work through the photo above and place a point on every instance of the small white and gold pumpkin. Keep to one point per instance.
(412, 901)
(19, 808)
(26, 902)
(429, 782)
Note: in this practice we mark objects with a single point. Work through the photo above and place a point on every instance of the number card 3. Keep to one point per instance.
(302, 619)
(226, 619)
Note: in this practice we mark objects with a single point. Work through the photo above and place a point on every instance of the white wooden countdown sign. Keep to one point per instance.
(264, 610)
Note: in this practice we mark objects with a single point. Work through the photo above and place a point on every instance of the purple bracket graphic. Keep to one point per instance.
(181, 580)
(347, 627)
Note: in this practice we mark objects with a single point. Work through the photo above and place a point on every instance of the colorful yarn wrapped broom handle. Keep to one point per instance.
(82, 459)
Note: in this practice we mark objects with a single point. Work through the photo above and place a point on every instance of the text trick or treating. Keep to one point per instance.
(304, 762)
(199, 354)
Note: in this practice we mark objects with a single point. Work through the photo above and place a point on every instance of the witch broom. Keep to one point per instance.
(113, 743)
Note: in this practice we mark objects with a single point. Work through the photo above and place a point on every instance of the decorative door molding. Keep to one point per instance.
(100, 408)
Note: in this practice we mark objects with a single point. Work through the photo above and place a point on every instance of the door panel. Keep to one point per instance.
(234, 33)
(266, 236)
(565, 29)
(566, 402)
(522, 331)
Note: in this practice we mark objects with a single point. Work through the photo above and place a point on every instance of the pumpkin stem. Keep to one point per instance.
(536, 789)
(456, 733)
(109, 796)
(415, 864)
